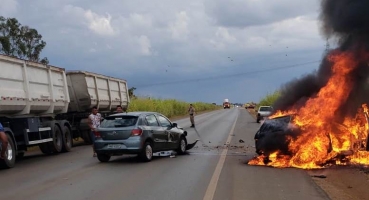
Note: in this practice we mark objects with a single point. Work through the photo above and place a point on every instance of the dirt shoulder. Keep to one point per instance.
(341, 182)
(344, 183)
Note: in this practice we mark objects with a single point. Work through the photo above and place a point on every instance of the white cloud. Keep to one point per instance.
(145, 45)
(99, 24)
(140, 20)
(244, 13)
(179, 28)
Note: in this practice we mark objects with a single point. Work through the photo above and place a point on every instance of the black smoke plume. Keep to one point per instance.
(347, 22)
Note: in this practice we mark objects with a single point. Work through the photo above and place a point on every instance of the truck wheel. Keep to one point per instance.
(9, 160)
(57, 144)
(67, 140)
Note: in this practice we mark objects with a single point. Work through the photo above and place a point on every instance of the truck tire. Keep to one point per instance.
(9, 161)
(67, 139)
(57, 144)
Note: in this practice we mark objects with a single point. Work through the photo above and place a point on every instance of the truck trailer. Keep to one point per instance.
(46, 106)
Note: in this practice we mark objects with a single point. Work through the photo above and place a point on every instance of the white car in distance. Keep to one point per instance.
(263, 111)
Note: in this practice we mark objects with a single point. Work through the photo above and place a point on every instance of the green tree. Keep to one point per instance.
(269, 99)
(20, 41)
(131, 92)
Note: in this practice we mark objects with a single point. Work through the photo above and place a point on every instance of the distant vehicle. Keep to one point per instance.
(249, 106)
(264, 111)
(141, 133)
(226, 104)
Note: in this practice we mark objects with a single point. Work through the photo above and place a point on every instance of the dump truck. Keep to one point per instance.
(226, 104)
(47, 106)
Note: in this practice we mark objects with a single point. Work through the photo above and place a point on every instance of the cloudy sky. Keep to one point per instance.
(194, 50)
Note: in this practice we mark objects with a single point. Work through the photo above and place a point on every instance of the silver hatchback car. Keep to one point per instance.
(141, 133)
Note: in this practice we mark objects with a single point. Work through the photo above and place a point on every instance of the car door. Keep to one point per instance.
(170, 132)
(156, 131)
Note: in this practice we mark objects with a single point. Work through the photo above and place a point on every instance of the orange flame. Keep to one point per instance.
(322, 140)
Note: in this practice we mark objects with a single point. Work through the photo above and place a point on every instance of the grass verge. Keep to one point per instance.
(168, 107)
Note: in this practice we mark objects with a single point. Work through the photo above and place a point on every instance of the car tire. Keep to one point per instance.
(9, 161)
(103, 157)
(182, 146)
(147, 152)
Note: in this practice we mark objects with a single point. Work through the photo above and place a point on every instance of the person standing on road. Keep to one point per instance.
(191, 111)
(4, 142)
(94, 120)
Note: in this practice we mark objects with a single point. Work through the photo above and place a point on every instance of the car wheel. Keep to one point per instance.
(147, 153)
(9, 160)
(182, 146)
(103, 157)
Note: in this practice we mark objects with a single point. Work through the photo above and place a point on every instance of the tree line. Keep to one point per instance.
(21, 41)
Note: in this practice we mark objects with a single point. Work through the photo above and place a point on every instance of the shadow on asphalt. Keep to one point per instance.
(136, 159)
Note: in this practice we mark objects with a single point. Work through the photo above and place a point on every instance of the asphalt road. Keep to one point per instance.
(209, 171)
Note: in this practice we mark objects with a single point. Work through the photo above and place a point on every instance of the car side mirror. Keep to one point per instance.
(174, 125)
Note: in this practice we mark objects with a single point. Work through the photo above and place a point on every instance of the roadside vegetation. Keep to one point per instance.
(269, 99)
(168, 107)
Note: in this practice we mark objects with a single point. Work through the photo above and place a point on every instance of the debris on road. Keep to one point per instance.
(163, 153)
(319, 176)
(241, 141)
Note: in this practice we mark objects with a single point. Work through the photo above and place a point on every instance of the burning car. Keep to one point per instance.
(275, 142)
(272, 135)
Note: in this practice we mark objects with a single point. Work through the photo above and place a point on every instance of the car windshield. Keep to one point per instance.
(119, 121)
(265, 108)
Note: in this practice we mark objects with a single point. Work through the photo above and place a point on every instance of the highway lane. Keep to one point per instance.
(202, 174)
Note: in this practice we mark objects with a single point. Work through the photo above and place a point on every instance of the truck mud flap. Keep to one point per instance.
(190, 146)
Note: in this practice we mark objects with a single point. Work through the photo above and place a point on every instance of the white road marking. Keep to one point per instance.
(210, 191)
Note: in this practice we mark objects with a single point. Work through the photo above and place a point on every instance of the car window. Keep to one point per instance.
(164, 122)
(151, 120)
(265, 109)
(119, 121)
